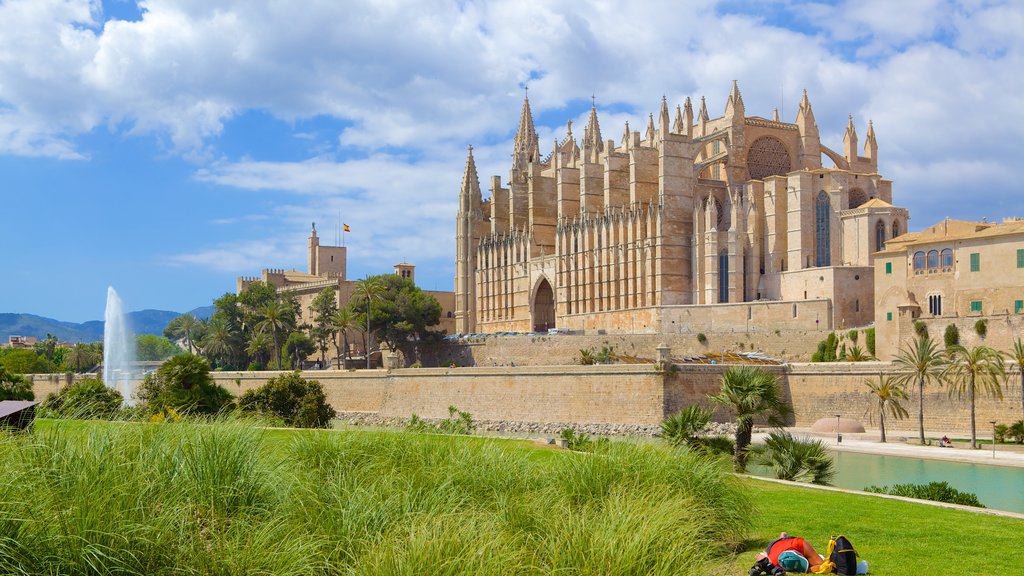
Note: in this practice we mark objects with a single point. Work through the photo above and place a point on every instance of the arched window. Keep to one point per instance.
(918, 260)
(933, 259)
(879, 236)
(767, 156)
(822, 222)
(723, 276)
(895, 228)
(946, 258)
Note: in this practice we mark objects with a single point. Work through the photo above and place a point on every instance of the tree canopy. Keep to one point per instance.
(401, 314)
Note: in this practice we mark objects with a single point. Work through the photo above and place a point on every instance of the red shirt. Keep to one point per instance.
(779, 546)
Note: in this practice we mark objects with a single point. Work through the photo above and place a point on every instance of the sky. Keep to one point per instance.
(166, 147)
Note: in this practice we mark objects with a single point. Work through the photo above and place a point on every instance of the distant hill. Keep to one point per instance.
(141, 322)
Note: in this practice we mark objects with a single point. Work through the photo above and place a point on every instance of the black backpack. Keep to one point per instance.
(842, 554)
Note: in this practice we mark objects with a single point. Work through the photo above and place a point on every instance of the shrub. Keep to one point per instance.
(580, 442)
(951, 336)
(682, 427)
(920, 328)
(587, 357)
(935, 491)
(1016, 431)
(14, 386)
(869, 338)
(826, 351)
(981, 327)
(184, 384)
(1001, 431)
(88, 398)
(298, 402)
(702, 338)
(22, 361)
(254, 366)
(794, 459)
(605, 356)
(853, 334)
(457, 423)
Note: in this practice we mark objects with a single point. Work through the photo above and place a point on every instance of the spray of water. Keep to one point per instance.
(118, 349)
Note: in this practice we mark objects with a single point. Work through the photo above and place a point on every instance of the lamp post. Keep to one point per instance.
(993, 422)
(839, 437)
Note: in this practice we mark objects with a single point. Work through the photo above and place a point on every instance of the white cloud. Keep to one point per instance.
(414, 83)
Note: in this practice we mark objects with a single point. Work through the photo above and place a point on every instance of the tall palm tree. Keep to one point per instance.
(920, 362)
(973, 370)
(188, 326)
(275, 319)
(750, 392)
(1018, 357)
(342, 321)
(258, 345)
(886, 394)
(219, 341)
(369, 289)
(80, 357)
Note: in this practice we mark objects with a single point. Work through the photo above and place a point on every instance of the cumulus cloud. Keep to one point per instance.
(413, 83)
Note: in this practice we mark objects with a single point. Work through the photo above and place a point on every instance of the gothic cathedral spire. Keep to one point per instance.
(526, 146)
(592, 144)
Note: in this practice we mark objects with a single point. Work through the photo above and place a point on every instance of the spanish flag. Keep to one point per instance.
(346, 228)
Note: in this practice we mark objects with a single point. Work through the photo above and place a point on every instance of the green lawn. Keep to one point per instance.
(377, 502)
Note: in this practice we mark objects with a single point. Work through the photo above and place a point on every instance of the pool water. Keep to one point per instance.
(998, 487)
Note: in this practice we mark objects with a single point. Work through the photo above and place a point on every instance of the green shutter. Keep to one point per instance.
(888, 265)
(975, 305)
(975, 262)
(888, 315)
(1020, 258)
(1018, 305)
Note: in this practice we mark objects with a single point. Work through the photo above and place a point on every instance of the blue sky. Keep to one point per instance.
(166, 147)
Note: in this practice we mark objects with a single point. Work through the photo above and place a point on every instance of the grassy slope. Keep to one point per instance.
(897, 538)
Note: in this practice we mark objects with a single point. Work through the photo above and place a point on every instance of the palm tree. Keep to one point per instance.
(258, 345)
(973, 370)
(275, 318)
(750, 392)
(886, 394)
(1018, 357)
(219, 341)
(797, 460)
(680, 428)
(369, 289)
(188, 326)
(342, 321)
(80, 357)
(920, 362)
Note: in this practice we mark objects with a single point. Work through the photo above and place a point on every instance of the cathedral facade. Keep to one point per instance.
(698, 223)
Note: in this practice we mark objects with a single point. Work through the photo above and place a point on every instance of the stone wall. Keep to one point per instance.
(637, 394)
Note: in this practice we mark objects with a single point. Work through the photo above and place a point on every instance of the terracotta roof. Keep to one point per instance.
(875, 203)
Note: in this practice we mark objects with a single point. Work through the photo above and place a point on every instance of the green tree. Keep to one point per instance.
(296, 401)
(886, 395)
(298, 347)
(1018, 357)
(361, 302)
(402, 314)
(975, 370)
(951, 336)
(259, 345)
(25, 361)
(14, 386)
(921, 362)
(220, 343)
(149, 347)
(343, 321)
(751, 393)
(276, 318)
(47, 347)
(82, 357)
(184, 384)
(324, 306)
(188, 328)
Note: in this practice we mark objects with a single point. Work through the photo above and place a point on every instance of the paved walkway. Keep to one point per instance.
(867, 443)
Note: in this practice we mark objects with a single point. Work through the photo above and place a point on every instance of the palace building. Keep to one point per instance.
(695, 223)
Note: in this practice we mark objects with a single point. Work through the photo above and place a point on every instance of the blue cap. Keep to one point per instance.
(791, 561)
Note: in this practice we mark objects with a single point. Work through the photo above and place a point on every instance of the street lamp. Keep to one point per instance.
(839, 437)
(993, 422)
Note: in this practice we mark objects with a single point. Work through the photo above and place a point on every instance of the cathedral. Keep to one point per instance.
(696, 223)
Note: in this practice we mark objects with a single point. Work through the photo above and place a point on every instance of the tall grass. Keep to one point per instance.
(227, 498)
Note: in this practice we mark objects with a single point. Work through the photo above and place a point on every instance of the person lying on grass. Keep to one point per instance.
(792, 554)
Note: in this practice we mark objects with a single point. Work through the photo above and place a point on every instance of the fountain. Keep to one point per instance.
(118, 349)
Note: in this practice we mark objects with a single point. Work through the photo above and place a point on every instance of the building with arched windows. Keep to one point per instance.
(954, 272)
(697, 223)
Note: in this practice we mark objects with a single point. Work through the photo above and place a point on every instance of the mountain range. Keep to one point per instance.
(141, 322)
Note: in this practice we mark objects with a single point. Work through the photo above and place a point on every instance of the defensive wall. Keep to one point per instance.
(613, 394)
